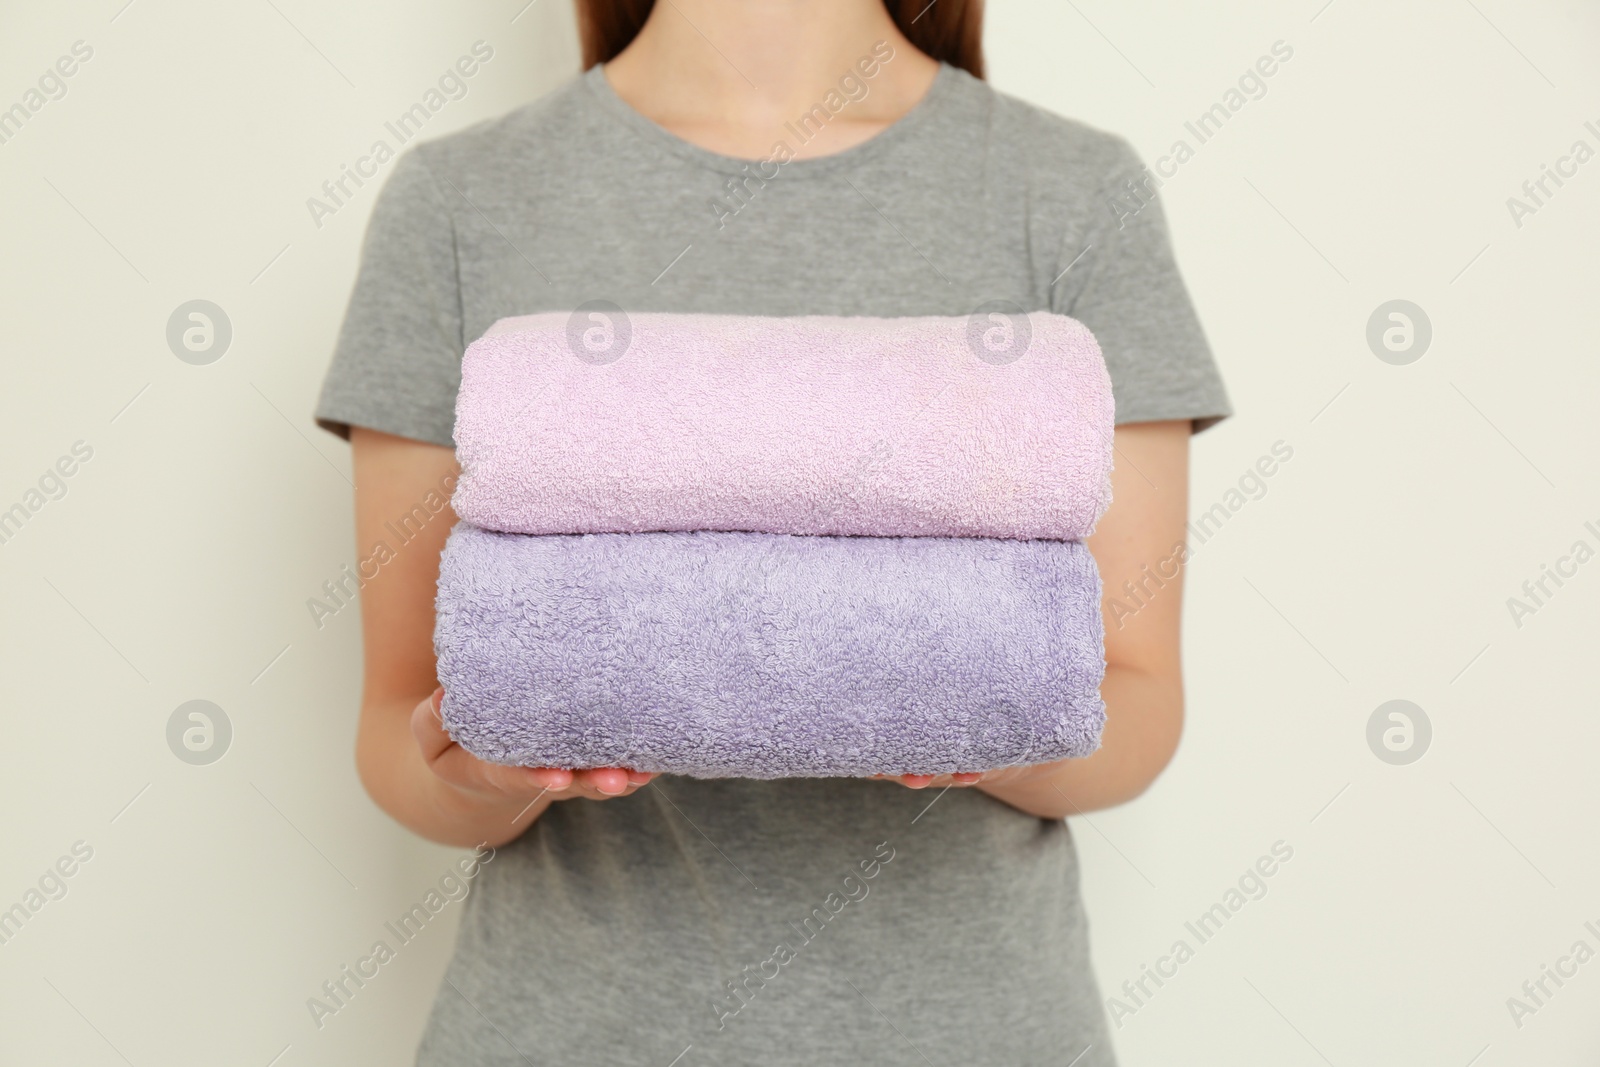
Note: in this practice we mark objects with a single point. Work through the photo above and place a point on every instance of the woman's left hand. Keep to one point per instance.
(936, 781)
(1000, 776)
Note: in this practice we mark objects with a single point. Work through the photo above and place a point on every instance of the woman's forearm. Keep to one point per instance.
(1144, 718)
(401, 783)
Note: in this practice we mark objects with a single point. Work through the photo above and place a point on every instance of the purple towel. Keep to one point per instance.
(769, 655)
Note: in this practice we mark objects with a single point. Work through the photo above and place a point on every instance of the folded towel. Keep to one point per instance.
(769, 656)
(810, 425)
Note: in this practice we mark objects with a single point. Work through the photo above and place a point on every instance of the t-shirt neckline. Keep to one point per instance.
(594, 78)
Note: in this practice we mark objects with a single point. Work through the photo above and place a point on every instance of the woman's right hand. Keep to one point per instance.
(407, 762)
(499, 784)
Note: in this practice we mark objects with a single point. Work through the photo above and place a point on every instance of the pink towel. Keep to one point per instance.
(811, 425)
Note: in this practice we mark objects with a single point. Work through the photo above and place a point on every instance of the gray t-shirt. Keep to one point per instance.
(798, 921)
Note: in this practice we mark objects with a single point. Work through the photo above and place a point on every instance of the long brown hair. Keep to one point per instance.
(947, 30)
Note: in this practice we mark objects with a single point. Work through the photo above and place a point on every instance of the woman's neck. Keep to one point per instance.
(728, 74)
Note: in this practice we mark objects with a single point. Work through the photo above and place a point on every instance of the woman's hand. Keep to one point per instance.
(936, 781)
(1035, 782)
(483, 782)
(985, 779)
(406, 760)
(1142, 533)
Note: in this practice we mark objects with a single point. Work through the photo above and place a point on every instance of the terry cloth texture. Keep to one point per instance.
(755, 655)
(989, 425)
(608, 932)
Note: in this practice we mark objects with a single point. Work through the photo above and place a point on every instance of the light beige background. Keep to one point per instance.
(1377, 566)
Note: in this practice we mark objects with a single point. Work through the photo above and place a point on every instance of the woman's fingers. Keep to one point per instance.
(608, 781)
(614, 781)
(462, 769)
(555, 779)
(934, 781)
(465, 771)
(597, 783)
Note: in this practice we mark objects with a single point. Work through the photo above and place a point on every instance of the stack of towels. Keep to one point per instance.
(777, 547)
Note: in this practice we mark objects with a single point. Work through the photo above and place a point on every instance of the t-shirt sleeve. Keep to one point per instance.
(397, 364)
(1129, 293)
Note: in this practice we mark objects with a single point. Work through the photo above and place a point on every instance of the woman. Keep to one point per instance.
(834, 157)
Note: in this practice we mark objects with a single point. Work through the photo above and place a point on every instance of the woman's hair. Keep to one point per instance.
(947, 30)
